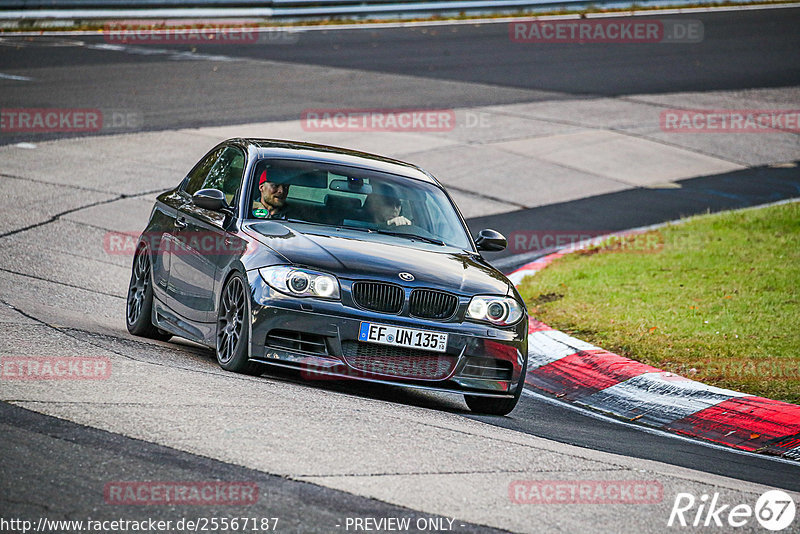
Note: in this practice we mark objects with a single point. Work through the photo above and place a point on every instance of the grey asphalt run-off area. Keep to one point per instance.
(560, 138)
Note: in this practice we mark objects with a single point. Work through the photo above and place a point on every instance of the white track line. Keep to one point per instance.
(15, 77)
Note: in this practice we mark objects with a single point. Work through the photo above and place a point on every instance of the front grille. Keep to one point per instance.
(297, 341)
(429, 304)
(487, 368)
(379, 297)
(397, 361)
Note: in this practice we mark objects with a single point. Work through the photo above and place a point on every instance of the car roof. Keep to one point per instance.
(284, 149)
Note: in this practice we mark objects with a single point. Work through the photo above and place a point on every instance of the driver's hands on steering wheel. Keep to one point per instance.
(398, 221)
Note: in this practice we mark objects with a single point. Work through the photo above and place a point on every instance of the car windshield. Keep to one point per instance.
(357, 198)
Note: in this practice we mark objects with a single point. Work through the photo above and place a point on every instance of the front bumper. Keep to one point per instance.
(319, 338)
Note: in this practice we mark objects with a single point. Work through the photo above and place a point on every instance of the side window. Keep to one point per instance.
(199, 173)
(226, 173)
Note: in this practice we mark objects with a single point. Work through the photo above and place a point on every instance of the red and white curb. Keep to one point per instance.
(578, 372)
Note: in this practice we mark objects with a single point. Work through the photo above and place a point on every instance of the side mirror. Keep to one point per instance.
(491, 241)
(211, 199)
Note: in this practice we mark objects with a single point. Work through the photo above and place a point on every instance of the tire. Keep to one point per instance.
(139, 303)
(493, 406)
(233, 334)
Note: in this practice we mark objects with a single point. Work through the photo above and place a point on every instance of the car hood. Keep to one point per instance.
(351, 255)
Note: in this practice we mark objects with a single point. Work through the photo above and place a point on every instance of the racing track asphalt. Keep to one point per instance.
(46, 459)
(438, 58)
(63, 460)
(176, 86)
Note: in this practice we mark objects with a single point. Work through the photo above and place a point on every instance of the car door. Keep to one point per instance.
(201, 242)
(162, 236)
(160, 241)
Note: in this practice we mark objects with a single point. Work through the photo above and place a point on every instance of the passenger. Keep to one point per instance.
(273, 199)
(385, 210)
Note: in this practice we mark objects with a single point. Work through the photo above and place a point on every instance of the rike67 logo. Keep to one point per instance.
(774, 510)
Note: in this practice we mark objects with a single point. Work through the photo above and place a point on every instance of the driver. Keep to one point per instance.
(272, 204)
(385, 209)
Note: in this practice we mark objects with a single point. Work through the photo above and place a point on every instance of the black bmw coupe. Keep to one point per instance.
(336, 263)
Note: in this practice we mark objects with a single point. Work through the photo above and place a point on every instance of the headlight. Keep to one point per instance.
(500, 311)
(301, 282)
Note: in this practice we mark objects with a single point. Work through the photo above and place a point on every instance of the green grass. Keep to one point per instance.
(715, 299)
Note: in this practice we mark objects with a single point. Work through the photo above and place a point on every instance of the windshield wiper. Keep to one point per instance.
(411, 236)
(389, 232)
(302, 222)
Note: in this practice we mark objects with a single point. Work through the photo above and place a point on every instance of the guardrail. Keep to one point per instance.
(281, 7)
(293, 9)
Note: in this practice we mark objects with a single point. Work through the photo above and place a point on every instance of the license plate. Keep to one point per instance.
(402, 337)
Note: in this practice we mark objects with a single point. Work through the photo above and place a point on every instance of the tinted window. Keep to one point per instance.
(198, 175)
(226, 173)
(359, 198)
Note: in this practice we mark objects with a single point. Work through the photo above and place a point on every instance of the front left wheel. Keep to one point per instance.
(139, 304)
(233, 334)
